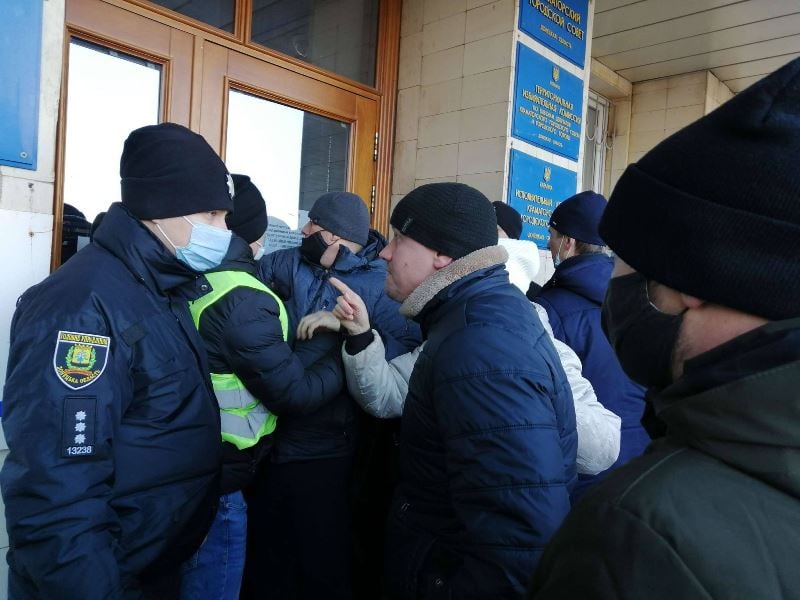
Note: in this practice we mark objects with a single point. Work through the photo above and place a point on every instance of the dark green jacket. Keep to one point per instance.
(713, 510)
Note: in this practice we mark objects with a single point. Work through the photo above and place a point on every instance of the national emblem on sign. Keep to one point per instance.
(548, 173)
(556, 73)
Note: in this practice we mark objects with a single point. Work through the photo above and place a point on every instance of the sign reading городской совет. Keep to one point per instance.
(558, 24)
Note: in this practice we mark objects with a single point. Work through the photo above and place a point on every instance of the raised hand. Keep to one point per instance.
(350, 309)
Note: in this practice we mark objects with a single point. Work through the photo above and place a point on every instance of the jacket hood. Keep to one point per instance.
(523, 261)
(586, 275)
(124, 236)
(452, 273)
(740, 403)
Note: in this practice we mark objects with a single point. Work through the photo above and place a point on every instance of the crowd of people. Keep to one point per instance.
(189, 417)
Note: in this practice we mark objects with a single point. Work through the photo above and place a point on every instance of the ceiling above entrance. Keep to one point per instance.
(738, 41)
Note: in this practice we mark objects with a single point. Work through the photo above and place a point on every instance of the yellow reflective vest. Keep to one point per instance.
(244, 420)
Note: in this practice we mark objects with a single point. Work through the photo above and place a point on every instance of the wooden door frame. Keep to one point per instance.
(384, 92)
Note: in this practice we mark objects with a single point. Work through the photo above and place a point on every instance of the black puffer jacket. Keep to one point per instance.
(111, 479)
(329, 432)
(713, 510)
(242, 334)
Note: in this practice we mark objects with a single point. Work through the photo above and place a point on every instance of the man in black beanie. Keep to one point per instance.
(572, 298)
(488, 428)
(113, 430)
(321, 460)
(257, 380)
(708, 320)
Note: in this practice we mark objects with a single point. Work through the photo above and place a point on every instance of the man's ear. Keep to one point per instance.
(440, 260)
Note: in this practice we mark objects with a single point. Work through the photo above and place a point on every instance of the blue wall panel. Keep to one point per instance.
(20, 60)
(535, 188)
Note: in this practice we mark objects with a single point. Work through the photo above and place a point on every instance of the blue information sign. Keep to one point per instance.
(548, 104)
(558, 24)
(20, 57)
(535, 188)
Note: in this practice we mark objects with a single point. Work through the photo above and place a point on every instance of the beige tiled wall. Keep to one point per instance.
(453, 94)
(655, 110)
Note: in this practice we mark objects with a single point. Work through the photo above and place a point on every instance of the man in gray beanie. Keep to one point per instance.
(488, 428)
(707, 317)
(112, 426)
(303, 542)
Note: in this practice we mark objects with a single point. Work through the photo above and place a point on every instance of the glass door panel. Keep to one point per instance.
(292, 156)
(109, 94)
(295, 136)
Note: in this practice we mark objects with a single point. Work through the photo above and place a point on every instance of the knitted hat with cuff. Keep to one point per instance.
(168, 171)
(451, 218)
(249, 217)
(714, 210)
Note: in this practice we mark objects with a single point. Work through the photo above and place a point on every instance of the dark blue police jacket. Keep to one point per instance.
(572, 298)
(112, 426)
(304, 287)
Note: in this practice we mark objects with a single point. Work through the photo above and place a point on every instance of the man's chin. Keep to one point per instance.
(393, 292)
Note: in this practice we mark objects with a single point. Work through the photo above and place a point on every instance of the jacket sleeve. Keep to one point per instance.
(399, 335)
(57, 495)
(254, 346)
(598, 428)
(608, 552)
(379, 386)
(508, 470)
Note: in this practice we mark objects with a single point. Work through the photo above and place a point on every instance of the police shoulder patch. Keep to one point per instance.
(80, 358)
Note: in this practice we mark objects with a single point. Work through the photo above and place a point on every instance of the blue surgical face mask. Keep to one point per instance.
(206, 248)
(260, 252)
(557, 257)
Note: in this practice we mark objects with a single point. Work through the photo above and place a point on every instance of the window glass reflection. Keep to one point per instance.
(217, 13)
(109, 94)
(292, 156)
(337, 35)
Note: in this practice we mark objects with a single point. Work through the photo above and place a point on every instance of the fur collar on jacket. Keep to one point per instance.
(458, 269)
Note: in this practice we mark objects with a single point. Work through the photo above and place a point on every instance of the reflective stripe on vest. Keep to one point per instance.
(244, 420)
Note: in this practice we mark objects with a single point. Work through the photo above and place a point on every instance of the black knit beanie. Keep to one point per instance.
(508, 219)
(343, 214)
(579, 217)
(169, 171)
(249, 217)
(714, 210)
(452, 218)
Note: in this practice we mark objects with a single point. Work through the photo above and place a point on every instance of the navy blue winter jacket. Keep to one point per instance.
(488, 440)
(329, 432)
(112, 426)
(572, 298)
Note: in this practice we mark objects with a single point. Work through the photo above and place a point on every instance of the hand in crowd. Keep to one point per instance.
(350, 309)
(322, 319)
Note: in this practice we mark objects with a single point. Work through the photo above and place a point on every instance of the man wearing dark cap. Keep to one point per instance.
(113, 430)
(706, 316)
(488, 427)
(257, 379)
(572, 298)
(305, 549)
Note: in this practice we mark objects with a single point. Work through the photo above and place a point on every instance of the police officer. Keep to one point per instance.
(113, 430)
